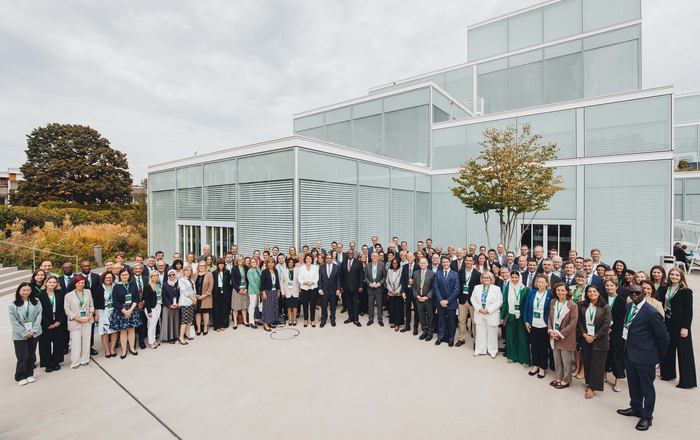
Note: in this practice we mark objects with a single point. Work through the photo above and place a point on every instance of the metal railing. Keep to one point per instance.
(475, 105)
(34, 250)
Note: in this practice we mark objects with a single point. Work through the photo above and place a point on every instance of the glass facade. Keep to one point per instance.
(687, 109)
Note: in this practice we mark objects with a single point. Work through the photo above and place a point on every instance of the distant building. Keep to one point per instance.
(138, 194)
(8, 183)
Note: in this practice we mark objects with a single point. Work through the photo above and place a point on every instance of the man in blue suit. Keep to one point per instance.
(647, 339)
(446, 289)
(328, 288)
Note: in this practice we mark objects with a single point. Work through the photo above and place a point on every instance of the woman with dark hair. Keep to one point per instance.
(651, 295)
(290, 289)
(314, 255)
(620, 267)
(594, 324)
(496, 271)
(239, 296)
(80, 310)
(53, 324)
(209, 263)
(270, 290)
(480, 263)
(170, 319)
(253, 278)
(104, 306)
(678, 311)
(393, 287)
(25, 319)
(536, 317)
(37, 281)
(628, 278)
(561, 325)
(615, 361)
(221, 296)
(125, 318)
(514, 296)
(657, 274)
(308, 279)
(177, 266)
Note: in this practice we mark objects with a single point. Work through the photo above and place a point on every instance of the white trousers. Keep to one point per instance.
(153, 323)
(486, 339)
(251, 307)
(80, 345)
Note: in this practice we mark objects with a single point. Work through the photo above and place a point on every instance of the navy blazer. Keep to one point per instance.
(65, 288)
(92, 280)
(405, 277)
(598, 282)
(530, 306)
(266, 281)
(236, 278)
(647, 337)
(446, 289)
(119, 295)
(171, 294)
(329, 285)
(474, 281)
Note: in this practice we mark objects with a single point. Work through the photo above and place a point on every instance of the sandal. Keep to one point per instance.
(579, 376)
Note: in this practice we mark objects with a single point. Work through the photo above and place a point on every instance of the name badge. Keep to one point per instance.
(556, 326)
(537, 315)
(159, 298)
(465, 289)
(109, 305)
(590, 329)
(242, 286)
(290, 284)
(28, 326)
(517, 307)
(127, 299)
(83, 313)
(624, 333)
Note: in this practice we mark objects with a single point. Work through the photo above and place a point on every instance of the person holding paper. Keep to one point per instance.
(80, 309)
(594, 324)
(561, 325)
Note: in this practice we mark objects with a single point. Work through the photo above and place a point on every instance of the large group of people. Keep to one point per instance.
(578, 316)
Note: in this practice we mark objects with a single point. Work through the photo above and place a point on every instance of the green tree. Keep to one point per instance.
(509, 178)
(72, 163)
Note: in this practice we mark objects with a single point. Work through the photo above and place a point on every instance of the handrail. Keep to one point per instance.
(40, 250)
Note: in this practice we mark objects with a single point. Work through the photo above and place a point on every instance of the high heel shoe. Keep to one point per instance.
(182, 343)
(123, 356)
(205, 333)
(134, 353)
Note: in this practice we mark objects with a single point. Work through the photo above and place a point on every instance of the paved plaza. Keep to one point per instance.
(334, 383)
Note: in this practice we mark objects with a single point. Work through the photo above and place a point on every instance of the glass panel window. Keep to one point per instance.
(562, 72)
(338, 115)
(441, 107)
(374, 175)
(407, 134)
(475, 135)
(562, 19)
(493, 85)
(407, 100)
(220, 173)
(449, 147)
(189, 177)
(638, 126)
(311, 121)
(367, 109)
(686, 139)
(367, 133)
(601, 13)
(402, 180)
(611, 69)
(460, 83)
(449, 224)
(559, 127)
(266, 167)
(687, 109)
(525, 30)
(488, 40)
(526, 80)
(161, 181)
(327, 168)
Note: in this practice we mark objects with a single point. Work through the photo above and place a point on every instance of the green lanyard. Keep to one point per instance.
(630, 316)
(104, 286)
(591, 312)
(577, 293)
(540, 300)
(484, 296)
(422, 277)
(127, 285)
(410, 271)
(66, 278)
(272, 275)
(37, 289)
(670, 295)
(221, 281)
(79, 299)
(447, 273)
(138, 283)
(291, 274)
(53, 304)
(612, 301)
(27, 313)
(559, 309)
(374, 272)
(518, 294)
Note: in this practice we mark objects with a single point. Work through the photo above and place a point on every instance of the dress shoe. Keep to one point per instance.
(49, 369)
(357, 323)
(429, 338)
(93, 352)
(438, 342)
(347, 321)
(422, 337)
(323, 324)
(57, 367)
(459, 343)
(415, 332)
(643, 424)
(502, 349)
(344, 310)
(560, 386)
(65, 351)
(381, 323)
(404, 330)
(142, 346)
(332, 323)
(451, 344)
(370, 322)
(629, 412)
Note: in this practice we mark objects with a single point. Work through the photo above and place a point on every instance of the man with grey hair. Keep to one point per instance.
(556, 266)
(423, 292)
(206, 250)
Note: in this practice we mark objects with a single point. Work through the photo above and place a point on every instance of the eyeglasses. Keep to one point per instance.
(171, 275)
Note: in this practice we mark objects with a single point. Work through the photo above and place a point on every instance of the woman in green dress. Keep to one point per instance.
(253, 277)
(517, 346)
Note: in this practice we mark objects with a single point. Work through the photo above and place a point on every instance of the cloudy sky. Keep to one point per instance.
(165, 79)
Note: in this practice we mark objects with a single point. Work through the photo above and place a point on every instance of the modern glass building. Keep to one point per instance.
(382, 164)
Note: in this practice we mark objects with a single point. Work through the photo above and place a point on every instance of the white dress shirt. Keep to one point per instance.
(308, 275)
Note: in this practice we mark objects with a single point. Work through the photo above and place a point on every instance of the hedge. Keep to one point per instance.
(38, 216)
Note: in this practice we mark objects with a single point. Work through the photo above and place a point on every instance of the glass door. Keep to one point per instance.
(549, 236)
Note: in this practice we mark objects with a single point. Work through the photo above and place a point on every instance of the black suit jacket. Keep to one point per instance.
(65, 288)
(404, 279)
(474, 280)
(329, 285)
(353, 280)
(47, 317)
(647, 337)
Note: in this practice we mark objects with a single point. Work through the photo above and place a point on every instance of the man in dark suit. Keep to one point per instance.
(592, 277)
(66, 279)
(407, 287)
(539, 256)
(424, 294)
(529, 275)
(141, 279)
(647, 339)
(375, 276)
(351, 282)
(569, 273)
(328, 288)
(468, 279)
(319, 249)
(446, 289)
(547, 266)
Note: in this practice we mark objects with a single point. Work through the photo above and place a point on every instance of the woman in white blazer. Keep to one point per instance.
(290, 289)
(487, 300)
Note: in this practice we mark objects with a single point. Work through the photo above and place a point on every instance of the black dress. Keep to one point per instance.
(199, 286)
(679, 315)
(221, 299)
(51, 313)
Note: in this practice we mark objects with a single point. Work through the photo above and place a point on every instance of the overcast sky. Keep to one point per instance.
(164, 79)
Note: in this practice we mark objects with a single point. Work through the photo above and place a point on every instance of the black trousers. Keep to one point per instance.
(308, 299)
(593, 362)
(25, 351)
(221, 308)
(539, 344)
(686, 358)
(326, 298)
(409, 304)
(352, 303)
(396, 307)
(615, 362)
(363, 301)
(49, 355)
(142, 330)
(640, 381)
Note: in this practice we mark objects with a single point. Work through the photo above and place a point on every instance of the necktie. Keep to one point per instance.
(349, 265)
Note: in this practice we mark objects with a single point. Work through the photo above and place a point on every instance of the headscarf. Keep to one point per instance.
(172, 283)
(512, 290)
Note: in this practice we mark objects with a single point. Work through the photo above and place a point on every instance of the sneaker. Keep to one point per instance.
(22, 382)
(31, 379)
